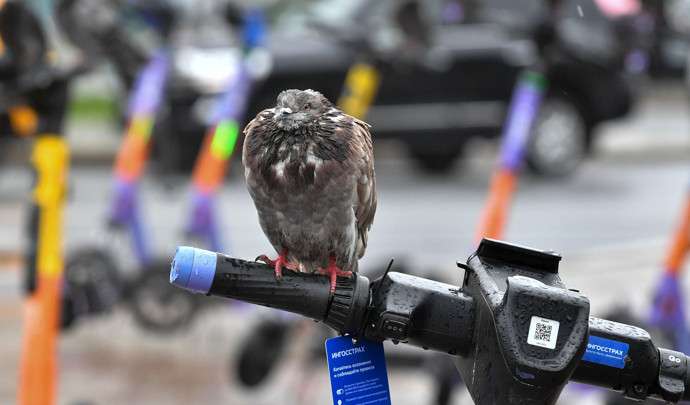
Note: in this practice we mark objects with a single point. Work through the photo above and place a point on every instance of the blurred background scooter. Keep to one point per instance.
(152, 295)
(94, 274)
(34, 95)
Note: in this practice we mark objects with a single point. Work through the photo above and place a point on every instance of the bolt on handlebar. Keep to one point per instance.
(512, 325)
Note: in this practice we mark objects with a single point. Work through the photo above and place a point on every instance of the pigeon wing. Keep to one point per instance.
(365, 204)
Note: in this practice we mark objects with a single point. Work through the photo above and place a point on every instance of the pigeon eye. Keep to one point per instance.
(307, 107)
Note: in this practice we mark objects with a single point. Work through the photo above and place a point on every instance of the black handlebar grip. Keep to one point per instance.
(646, 371)
(306, 294)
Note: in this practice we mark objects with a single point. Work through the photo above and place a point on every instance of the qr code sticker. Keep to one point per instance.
(543, 332)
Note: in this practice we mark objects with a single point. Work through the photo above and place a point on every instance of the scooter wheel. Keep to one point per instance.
(92, 285)
(261, 351)
(159, 306)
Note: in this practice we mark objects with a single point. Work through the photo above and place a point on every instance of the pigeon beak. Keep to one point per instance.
(282, 114)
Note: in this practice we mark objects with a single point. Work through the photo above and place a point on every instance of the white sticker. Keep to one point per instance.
(543, 332)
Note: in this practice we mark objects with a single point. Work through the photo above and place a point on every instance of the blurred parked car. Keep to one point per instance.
(449, 67)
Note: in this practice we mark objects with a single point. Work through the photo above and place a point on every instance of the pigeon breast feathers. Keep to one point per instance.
(311, 174)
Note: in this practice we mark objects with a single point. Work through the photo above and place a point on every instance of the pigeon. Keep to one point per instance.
(309, 168)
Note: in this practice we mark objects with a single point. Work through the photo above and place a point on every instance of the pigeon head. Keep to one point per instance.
(299, 108)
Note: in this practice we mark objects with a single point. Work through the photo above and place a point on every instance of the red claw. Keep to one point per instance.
(333, 271)
(279, 262)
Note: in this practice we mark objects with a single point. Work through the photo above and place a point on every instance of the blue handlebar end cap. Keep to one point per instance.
(193, 269)
(181, 266)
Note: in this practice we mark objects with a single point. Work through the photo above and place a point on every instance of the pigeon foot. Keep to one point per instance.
(279, 263)
(333, 271)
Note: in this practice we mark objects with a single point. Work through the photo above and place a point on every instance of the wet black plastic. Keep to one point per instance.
(305, 294)
(510, 285)
(648, 371)
(485, 325)
(422, 313)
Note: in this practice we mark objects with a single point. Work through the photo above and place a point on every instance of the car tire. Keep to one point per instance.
(559, 138)
(436, 161)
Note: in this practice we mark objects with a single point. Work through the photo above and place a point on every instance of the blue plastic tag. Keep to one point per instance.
(606, 352)
(358, 373)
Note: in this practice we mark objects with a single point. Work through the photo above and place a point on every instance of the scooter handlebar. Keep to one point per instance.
(457, 321)
(431, 315)
(212, 273)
